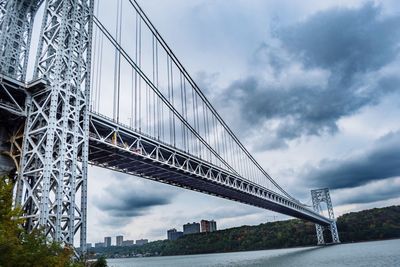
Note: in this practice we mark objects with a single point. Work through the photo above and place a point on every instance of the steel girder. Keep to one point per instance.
(16, 24)
(52, 183)
(12, 96)
(318, 196)
(119, 148)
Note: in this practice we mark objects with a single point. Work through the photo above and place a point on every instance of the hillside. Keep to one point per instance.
(367, 225)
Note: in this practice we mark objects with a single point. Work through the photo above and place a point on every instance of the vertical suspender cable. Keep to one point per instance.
(209, 131)
(96, 65)
(131, 123)
(205, 127)
(173, 103)
(136, 74)
(186, 115)
(100, 73)
(140, 66)
(158, 99)
(194, 120)
(169, 100)
(215, 135)
(119, 59)
(116, 66)
(154, 106)
(223, 144)
(198, 125)
(149, 115)
(94, 70)
(183, 111)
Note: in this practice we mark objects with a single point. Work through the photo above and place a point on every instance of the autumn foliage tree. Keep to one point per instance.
(19, 248)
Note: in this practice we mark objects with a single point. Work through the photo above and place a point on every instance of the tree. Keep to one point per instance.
(20, 248)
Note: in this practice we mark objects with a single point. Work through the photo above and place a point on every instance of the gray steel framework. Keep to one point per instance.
(13, 96)
(319, 196)
(52, 181)
(16, 24)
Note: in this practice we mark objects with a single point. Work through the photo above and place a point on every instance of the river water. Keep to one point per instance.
(379, 253)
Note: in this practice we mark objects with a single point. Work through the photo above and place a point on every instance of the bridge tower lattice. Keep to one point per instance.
(52, 172)
(319, 196)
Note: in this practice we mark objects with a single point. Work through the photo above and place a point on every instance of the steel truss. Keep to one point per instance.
(12, 96)
(16, 24)
(120, 148)
(318, 196)
(52, 180)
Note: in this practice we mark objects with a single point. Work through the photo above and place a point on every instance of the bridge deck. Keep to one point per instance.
(122, 149)
(117, 147)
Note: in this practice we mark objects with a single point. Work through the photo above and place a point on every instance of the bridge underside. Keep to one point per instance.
(121, 149)
(13, 113)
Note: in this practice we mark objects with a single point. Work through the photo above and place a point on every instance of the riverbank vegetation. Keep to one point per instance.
(367, 225)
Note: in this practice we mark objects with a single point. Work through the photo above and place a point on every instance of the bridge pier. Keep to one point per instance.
(319, 196)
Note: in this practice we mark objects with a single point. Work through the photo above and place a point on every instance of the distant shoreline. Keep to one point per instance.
(355, 227)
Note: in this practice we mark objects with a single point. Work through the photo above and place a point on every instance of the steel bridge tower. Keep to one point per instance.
(52, 169)
(318, 196)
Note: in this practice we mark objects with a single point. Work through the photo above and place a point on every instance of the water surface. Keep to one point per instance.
(379, 253)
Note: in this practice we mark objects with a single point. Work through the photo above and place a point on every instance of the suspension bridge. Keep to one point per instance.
(106, 90)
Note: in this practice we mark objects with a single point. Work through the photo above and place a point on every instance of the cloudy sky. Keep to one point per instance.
(312, 88)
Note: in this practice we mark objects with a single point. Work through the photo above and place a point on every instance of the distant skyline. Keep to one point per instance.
(312, 88)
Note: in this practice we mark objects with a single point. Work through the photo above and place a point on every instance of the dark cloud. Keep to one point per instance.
(131, 204)
(346, 40)
(353, 51)
(380, 162)
(389, 189)
(130, 198)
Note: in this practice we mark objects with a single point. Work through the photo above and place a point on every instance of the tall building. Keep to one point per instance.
(191, 228)
(213, 226)
(208, 226)
(120, 240)
(99, 245)
(173, 234)
(141, 242)
(107, 241)
(127, 243)
(205, 226)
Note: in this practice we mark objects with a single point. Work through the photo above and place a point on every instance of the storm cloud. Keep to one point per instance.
(381, 161)
(316, 72)
(375, 191)
(131, 199)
